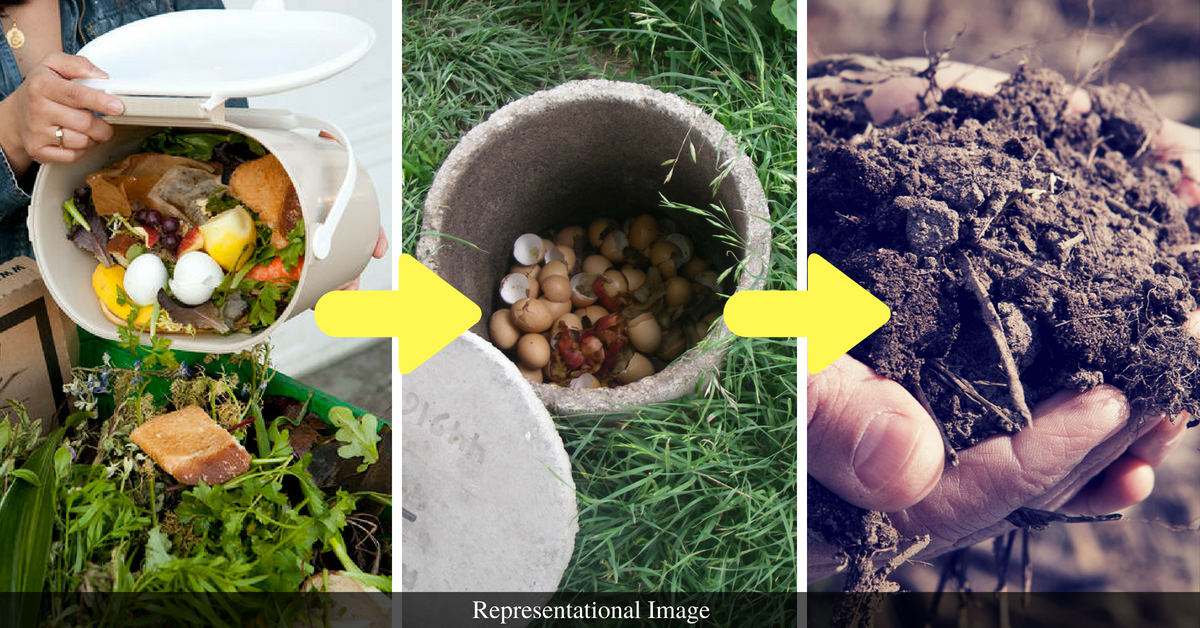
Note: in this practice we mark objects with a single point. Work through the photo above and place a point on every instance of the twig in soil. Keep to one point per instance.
(951, 455)
(1034, 519)
(1132, 214)
(1013, 259)
(1095, 147)
(1085, 318)
(1064, 249)
(1002, 549)
(1083, 40)
(992, 320)
(995, 206)
(967, 389)
(1112, 54)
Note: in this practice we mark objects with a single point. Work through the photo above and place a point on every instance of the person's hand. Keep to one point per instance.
(872, 444)
(381, 248)
(48, 100)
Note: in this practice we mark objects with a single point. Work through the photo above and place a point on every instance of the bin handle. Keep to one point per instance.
(322, 237)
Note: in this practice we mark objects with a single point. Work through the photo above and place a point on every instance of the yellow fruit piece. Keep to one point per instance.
(229, 238)
(107, 282)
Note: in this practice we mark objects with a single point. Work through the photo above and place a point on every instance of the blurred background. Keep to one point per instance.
(1157, 547)
(1162, 56)
(359, 101)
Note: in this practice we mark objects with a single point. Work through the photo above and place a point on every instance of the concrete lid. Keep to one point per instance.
(485, 474)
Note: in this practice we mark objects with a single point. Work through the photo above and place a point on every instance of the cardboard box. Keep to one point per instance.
(35, 344)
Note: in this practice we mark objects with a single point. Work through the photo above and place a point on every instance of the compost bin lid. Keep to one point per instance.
(485, 478)
(220, 54)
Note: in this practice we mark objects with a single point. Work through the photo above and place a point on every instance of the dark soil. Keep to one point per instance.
(1069, 226)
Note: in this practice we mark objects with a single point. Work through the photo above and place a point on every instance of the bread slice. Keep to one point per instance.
(191, 446)
(264, 186)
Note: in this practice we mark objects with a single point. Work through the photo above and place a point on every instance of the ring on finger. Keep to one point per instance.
(60, 134)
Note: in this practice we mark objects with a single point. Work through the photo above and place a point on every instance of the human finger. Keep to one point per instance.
(869, 441)
(1125, 482)
(1158, 442)
(78, 121)
(1072, 438)
(54, 154)
(381, 245)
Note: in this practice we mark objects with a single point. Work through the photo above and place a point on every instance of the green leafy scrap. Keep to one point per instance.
(220, 201)
(359, 435)
(196, 145)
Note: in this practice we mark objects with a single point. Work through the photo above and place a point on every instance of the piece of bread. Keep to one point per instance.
(191, 446)
(264, 186)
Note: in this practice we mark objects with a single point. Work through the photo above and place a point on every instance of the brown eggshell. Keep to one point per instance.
(643, 232)
(567, 236)
(533, 351)
(662, 251)
(502, 331)
(694, 267)
(679, 292)
(599, 229)
(638, 368)
(557, 309)
(557, 267)
(556, 288)
(531, 271)
(531, 315)
(533, 375)
(582, 294)
(616, 283)
(593, 313)
(572, 321)
(644, 333)
(634, 278)
(596, 264)
(673, 345)
(613, 246)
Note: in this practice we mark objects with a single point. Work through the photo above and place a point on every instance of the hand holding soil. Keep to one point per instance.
(876, 446)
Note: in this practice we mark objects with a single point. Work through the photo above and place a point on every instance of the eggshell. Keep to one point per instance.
(556, 267)
(643, 232)
(503, 333)
(197, 274)
(694, 267)
(528, 249)
(533, 375)
(529, 270)
(145, 276)
(644, 333)
(564, 254)
(556, 288)
(683, 243)
(572, 321)
(593, 313)
(613, 246)
(568, 236)
(704, 325)
(531, 315)
(596, 264)
(517, 286)
(634, 278)
(638, 368)
(547, 246)
(616, 282)
(662, 251)
(673, 345)
(599, 229)
(679, 292)
(533, 351)
(582, 294)
(557, 309)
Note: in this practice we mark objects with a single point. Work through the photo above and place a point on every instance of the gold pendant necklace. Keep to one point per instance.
(15, 37)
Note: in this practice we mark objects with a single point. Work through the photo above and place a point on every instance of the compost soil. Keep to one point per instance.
(1068, 225)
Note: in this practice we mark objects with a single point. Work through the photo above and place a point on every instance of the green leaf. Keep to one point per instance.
(26, 523)
(28, 476)
(71, 215)
(786, 12)
(220, 201)
(158, 550)
(62, 463)
(360, 435)
(5, 435)
(194, 145)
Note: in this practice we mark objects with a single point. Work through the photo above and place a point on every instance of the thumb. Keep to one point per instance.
(869, 441)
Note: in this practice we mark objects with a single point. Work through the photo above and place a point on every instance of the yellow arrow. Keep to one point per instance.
(428, 316)
(834, 313)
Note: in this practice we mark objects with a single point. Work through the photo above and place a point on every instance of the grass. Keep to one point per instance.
(698, 494)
